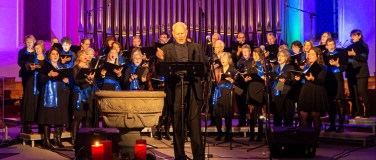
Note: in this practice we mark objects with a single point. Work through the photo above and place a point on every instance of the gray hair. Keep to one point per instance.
(286, 54)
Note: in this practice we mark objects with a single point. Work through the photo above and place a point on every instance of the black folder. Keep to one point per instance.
(314, 69)
(109, 67)
(358, 48)
(84, 72)
(159, 45)
(73, 48)
(66, 56)
(47, 67)
(322, 47)
(142, 71)
(96, 62)
(29, 58)
(64, 73)
(217, 61)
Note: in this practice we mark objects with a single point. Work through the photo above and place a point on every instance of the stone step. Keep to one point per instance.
(355, 136)
(36, 136)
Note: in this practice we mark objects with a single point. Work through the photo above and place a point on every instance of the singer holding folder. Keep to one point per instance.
(83, 94)
(313, 98)
(132, 81)
(111, 72)
(222, 107)
(54, 98)
(282, 90)
(255, 93)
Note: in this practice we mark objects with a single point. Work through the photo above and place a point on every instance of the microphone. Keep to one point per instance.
(262, 47)
(208, 39)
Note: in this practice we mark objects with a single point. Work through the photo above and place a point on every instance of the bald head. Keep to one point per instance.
(180, 32)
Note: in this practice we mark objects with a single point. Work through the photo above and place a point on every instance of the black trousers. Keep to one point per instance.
(192, 115)
(359, 85)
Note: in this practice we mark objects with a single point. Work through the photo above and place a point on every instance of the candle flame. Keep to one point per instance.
(96, 143)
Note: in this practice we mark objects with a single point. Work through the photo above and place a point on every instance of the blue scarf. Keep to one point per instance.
(35, 90)
(305, 69)
(69, 64)
(82, 95)
(120, 59)
(111, 81)
(303, 57)
(277, 93)
(260, 69)
(50, 92)
(334, 69)
(217, 92)
(135, 82)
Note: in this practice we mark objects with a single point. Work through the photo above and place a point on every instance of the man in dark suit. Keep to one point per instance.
(182, 51)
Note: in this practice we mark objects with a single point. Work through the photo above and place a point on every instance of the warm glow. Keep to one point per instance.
(96, 144)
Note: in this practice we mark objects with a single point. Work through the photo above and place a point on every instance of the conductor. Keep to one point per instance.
(182, 51)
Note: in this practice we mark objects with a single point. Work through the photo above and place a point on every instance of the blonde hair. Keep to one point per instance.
(30, 36)
(246, 46)
(228, 55)
(286, 54)
(89, 50)
(41, 44)
(116, 57)
(329, 36)
(79, 53)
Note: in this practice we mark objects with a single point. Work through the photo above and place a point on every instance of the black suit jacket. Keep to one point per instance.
(194, 55)
(358, 65)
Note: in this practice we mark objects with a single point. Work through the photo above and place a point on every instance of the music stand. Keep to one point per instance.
(181, 70)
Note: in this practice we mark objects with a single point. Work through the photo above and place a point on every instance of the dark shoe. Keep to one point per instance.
(341, 116)
(367, 116)
(27, 128)
(159, 134)
(57, 138)
(252, 130)
(74, 127)
(219, 137)
(331, 129)
(260, 130)
(46, 140)
(167, 127)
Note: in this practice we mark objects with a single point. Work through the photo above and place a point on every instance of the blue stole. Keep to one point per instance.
(120, 59)
(135, 82)
(69, 64)
(260, 69)
(82, 95)
(277, 93)
(304, 57)
(217, 92)
(35, 90)
(305, 69)
(50, 92)
(111, 81)
(334, 69)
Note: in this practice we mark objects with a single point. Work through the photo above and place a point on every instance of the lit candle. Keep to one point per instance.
(140, 149)
(97, 151)
(107, 144)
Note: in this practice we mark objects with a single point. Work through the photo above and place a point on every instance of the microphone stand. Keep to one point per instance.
(311, 15)
(210, 80)
(88, 12)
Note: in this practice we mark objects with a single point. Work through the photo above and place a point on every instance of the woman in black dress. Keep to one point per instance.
(111, 81)
(255, 93)
(313, 98)
(222, 107)
(83, 96)
(131, 80)
(54, 95)
(31, 92)
(334, 84)
(283, 99)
